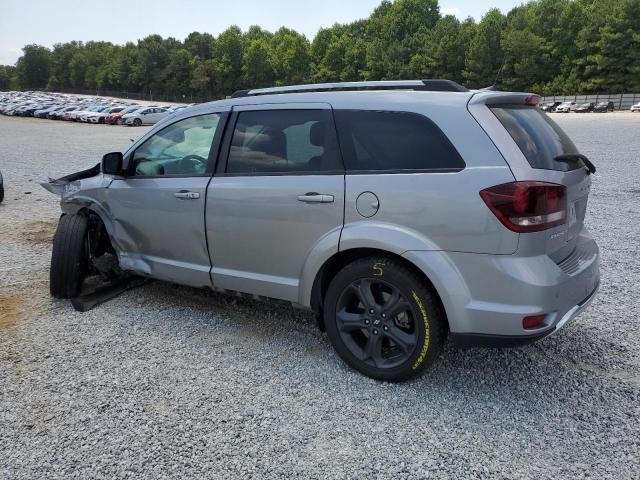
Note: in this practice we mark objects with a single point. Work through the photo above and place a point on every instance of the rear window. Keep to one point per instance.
(393, 141)
(540, 139)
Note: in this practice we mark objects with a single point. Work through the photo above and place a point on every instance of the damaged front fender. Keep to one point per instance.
(69, 184)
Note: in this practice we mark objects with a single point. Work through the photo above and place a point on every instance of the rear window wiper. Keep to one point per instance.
(572, 157)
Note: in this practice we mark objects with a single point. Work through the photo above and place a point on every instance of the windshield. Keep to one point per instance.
(540, 139)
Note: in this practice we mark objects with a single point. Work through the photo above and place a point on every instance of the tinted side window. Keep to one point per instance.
(284, 141)
(181, 148)
(388, 141)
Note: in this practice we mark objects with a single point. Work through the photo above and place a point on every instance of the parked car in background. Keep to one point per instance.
(177, 108)
(70, 115)
(78, 114)
(585, 107)
(99, 113)
(144, 116)
(635, 107)
(100, 117)
(391, 253)
(57, 114)
(43, 112)
(566, 107)
(604, 107)
(116, 118)
(549, 106)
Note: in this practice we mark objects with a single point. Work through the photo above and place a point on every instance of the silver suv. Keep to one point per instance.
(400, 212)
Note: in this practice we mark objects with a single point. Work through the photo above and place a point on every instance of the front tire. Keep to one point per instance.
(137, 122)
(69, 257)
(383, 320)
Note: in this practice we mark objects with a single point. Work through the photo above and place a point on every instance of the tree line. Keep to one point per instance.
(546, 46)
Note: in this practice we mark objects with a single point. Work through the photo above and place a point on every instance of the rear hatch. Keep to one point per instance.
(537, 149)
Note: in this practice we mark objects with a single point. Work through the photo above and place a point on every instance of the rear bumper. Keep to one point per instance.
(470, 340)
(486, 297)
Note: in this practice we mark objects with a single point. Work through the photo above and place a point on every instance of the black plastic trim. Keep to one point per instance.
(477, 340)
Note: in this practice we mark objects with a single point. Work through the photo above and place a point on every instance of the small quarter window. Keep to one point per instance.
(393, 141)
(283, 142)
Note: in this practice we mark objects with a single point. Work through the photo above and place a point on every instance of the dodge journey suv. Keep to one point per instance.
(400, 212)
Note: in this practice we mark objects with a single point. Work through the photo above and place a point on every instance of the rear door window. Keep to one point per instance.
(393, 142)
(539, 138)
(284, 142)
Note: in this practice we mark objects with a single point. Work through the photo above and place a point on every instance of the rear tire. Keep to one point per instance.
(383, 320)
(69, 257)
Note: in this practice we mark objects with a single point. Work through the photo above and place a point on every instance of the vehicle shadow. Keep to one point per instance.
(493, 377)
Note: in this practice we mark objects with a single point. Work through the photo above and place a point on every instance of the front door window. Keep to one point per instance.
(181, 149)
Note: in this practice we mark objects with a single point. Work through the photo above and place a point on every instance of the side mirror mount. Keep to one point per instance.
(112, 163)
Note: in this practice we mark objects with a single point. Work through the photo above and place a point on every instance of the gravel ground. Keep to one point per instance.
(172, 382)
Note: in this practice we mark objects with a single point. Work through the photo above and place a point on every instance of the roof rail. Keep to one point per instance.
(432, 85)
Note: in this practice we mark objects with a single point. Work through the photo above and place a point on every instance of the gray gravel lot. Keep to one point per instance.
(172, 382)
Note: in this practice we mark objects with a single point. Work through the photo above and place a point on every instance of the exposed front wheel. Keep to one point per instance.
(69, 257)
(383, 320)
(137, 122)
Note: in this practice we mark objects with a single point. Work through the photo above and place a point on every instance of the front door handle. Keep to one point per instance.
(314, 197)
(185, 195)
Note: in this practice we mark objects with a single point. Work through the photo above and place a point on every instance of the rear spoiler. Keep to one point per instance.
(60, 185)
(487, 97)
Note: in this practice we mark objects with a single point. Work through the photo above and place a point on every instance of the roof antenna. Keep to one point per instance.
(494, 87)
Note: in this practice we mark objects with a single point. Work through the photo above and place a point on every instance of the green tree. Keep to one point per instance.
(441, 53)
(228, 56)
(200, 45)
(32, 68)
(485, 56)
(6, 72)
(291, 59)
(257, 70)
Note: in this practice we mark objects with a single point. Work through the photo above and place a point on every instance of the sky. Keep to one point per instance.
(46, 22)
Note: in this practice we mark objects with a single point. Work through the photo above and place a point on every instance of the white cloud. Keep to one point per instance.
(450, 11)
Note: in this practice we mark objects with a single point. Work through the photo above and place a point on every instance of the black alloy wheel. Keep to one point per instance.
(376, 323)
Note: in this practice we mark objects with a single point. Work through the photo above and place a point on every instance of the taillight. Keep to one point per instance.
(527, 206)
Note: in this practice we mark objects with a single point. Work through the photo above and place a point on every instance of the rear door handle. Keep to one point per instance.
(184, 195)
(314, 197)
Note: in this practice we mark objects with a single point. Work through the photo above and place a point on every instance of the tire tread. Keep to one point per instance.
(67, 256)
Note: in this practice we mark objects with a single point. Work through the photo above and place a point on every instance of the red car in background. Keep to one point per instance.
(115, 118)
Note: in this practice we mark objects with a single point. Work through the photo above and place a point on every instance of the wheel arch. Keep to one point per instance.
(95, 210)
(336, 262)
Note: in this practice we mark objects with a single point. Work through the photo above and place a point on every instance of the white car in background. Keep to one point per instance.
(145, 116)
(566, 107)
(99, 117)
(84, 117)
(74, 115)
(635, 107)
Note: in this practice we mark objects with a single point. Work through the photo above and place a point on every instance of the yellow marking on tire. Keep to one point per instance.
(425, 344)
(378, 270)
